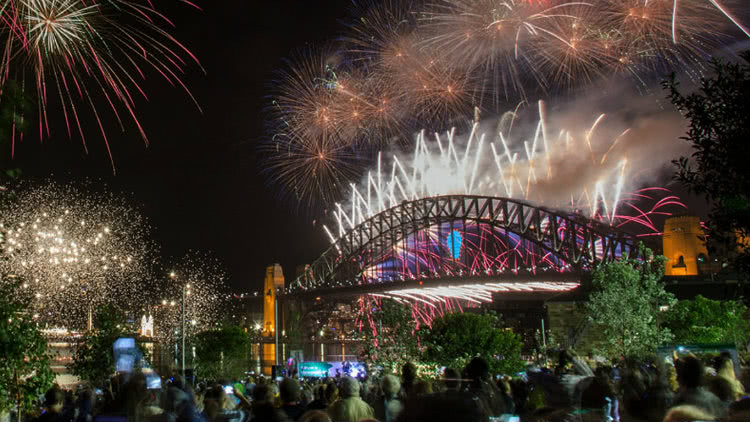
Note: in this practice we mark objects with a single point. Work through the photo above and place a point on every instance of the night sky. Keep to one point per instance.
(199, 181)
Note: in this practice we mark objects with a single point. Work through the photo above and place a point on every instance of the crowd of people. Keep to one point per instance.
(575, 390)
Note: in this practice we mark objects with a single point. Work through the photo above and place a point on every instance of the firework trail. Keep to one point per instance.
(74, 251)
(80, 55)
(503, 164)
(404, 64)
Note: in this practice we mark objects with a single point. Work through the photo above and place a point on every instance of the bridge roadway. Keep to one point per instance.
(447, 281)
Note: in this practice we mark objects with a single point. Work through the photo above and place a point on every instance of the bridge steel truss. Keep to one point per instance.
(577, 240)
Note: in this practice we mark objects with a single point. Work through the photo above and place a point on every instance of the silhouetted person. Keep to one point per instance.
(289, 391)
(441, 408)
(481, 387)
(690, 372)
(54, 399)
(388, 406)
(408, 378)
(350, 407)
(319, 403)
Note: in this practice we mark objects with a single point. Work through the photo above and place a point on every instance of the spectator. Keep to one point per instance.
(319, 403)
(441, 408)
(688, 413)
(331, 393)
(289, 390)
(54, 400)
(489, 397)
(690, 372)
(388, 406)
(218, 407)
(85, 405)
(148, 408)
(315, 416)
(503, 385)
(722, 389)
(350, 407)
(408, 378)
(725, 370)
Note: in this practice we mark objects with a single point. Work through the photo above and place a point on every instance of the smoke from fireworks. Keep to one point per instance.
(405, 67)
(559, 159)
(81, 55)
(74, 250)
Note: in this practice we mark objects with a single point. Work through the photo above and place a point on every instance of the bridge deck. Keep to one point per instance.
(379, 288)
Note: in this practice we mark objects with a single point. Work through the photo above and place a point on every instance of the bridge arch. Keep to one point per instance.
(563, 241)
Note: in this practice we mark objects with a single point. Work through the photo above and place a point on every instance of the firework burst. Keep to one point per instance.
(506, 164)
(404, 64)
(493, 37)
(74, 251)
(91, 55)
(201, 279)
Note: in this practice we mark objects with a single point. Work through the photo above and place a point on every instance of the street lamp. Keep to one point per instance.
(185, 288)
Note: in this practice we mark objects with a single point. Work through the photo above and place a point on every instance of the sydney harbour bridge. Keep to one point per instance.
(463, 247)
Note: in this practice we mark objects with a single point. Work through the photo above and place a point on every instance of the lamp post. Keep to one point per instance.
(185, 288)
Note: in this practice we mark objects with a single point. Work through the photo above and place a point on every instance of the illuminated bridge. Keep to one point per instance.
(463, 247)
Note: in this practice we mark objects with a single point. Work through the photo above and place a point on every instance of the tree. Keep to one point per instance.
(25, 371)
(458, 337)
(719, 115)
(709, 321)
(626, 303)
(389, 335)
(93, 359)
(222, 352)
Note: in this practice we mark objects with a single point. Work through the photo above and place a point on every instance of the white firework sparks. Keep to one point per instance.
(73, 250)
(496, 165)
(201, 279)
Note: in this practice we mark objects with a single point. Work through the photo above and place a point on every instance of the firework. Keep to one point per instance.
(419, 80)
(404, 64)
(494, 166)
(87, 55)
(658, 40)
(74, 251)
(493, 37)
(551, 45)
(201, 279)
(317, 115)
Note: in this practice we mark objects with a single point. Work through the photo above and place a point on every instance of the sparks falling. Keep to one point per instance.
(502, 164)
(74, 251)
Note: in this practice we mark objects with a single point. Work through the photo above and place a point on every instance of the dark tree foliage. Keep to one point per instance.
(626, 304)
(93, 360)
(719, 115)
(709, 321)
(456, 338)
(25, 371)
(222, 352)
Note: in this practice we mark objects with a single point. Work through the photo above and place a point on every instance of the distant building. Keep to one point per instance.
(684, 246)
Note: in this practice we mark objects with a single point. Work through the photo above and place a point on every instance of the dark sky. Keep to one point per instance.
(199, 181)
